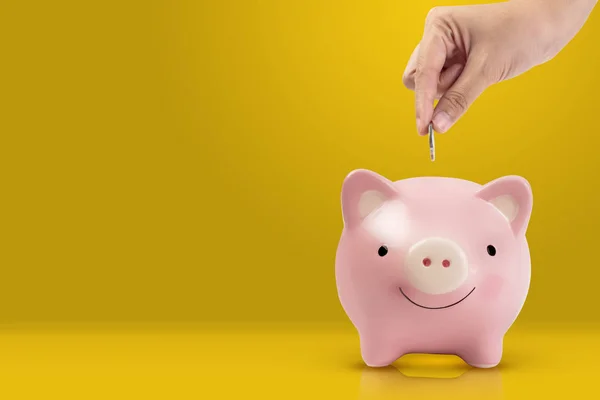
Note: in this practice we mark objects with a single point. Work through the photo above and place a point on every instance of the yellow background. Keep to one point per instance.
(171, 174)
(182, 161)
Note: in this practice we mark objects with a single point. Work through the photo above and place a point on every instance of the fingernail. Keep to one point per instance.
(442, 122)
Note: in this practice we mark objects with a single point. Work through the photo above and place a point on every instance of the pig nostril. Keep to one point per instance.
(426, 262)
(445, 263)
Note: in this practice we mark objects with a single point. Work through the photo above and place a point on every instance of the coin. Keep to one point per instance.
(431, 143)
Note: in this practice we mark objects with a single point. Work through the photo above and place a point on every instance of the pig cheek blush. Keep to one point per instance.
(456, 296)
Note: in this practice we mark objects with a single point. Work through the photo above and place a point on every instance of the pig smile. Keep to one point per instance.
(436, 308)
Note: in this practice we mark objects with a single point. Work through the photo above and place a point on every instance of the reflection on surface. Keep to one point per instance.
(430, 376)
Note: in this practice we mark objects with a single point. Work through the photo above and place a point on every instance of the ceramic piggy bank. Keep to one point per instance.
(433, 265)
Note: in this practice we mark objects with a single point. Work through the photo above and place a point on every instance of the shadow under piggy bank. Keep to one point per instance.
(430, 376)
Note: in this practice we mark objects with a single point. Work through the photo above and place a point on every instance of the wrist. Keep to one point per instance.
(555, 22)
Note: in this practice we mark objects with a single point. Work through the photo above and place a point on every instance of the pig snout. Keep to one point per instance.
(436, 266)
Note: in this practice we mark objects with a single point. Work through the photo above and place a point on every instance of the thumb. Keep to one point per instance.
(459, 97)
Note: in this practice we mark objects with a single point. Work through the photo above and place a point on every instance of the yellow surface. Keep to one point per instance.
(311, 362)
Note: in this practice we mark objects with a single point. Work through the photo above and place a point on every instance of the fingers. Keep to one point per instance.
(430, 60)
(447, 77)
(459, 97)
(455, 96)
(439, 68)
(408, 78)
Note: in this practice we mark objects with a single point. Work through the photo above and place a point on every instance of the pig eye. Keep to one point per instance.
(491, 250)
(383, 250)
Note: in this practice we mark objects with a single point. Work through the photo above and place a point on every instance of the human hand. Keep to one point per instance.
(466, 49)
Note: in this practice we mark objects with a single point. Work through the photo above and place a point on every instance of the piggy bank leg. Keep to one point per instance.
(483, 354)
(378, 350)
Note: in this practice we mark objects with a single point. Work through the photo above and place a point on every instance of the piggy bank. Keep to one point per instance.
(433, 265)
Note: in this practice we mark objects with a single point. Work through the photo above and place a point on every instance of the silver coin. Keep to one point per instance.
(431, 143)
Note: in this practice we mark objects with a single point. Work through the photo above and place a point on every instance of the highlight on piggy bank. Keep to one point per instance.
(433, 265)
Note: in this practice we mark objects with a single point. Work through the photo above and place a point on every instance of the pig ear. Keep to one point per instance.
(363, 192)
(512, 196)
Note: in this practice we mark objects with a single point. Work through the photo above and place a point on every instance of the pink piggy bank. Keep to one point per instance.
(433, 265)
